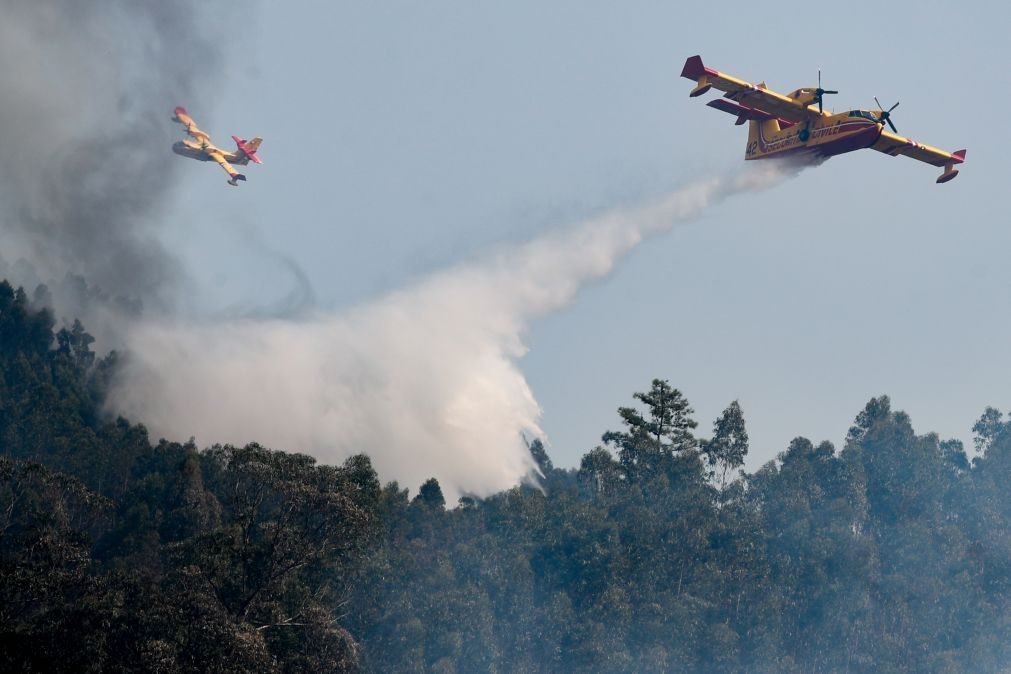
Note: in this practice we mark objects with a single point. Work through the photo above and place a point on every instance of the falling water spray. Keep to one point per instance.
(425, 380)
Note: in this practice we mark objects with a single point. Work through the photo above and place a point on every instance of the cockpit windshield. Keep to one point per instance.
(864, 114)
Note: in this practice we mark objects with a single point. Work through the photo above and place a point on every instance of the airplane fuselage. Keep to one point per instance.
(793, 123)
(823, 137)
(192, 149)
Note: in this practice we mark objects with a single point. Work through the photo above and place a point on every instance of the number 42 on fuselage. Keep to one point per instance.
(780, 125)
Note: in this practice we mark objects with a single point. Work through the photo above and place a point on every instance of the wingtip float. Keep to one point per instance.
(780, 124)
(198, 146)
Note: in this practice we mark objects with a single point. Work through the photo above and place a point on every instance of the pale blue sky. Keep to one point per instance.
(402, 137)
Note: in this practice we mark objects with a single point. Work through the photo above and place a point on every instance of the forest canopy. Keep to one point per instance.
(891, 553)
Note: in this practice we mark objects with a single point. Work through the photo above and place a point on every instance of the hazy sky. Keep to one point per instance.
(404, 137)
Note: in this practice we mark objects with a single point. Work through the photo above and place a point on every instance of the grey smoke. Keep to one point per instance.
(425, 380)
(88, 87)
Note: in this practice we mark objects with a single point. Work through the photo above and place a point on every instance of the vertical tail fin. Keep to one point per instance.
(247, 148)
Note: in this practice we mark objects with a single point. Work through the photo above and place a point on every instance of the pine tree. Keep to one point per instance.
(653, 439)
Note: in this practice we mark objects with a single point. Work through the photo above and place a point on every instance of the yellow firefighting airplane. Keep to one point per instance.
(201, 148)
(780, 125)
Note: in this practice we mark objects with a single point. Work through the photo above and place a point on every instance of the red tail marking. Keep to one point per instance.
(241, 142)
(694, 69)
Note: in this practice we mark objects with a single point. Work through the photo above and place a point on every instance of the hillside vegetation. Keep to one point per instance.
(121, 554)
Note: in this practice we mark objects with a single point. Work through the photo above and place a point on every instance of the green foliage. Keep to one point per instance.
(653, 440)
(726, 451)
(231, 559)
(891, 555)
(541, 457)
(430, 494)
(44, 561)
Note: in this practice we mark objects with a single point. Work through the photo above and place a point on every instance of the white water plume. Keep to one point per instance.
(424, 380)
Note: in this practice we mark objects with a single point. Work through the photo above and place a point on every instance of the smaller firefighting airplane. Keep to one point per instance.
(781, 125)
(201, 148)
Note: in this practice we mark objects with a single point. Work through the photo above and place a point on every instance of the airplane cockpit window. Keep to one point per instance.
(862, 113)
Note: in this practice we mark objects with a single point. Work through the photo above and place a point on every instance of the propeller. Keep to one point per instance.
(819, 92)
(886, 115)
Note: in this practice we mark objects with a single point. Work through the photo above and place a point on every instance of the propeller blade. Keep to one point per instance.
(880, 107)
(830, 91)
(819, 78)
(894, 106)
(819, 104)
(891, 125)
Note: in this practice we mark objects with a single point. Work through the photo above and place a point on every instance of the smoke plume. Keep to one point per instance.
(88, 87)
(424, 380)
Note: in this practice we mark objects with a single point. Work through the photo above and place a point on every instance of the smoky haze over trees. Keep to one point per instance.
(891, 553)
(119, 553)
(85, 175)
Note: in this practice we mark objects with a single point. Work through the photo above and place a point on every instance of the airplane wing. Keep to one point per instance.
(192, 129)
(751, 95)
(229, 169)
(893, 145)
